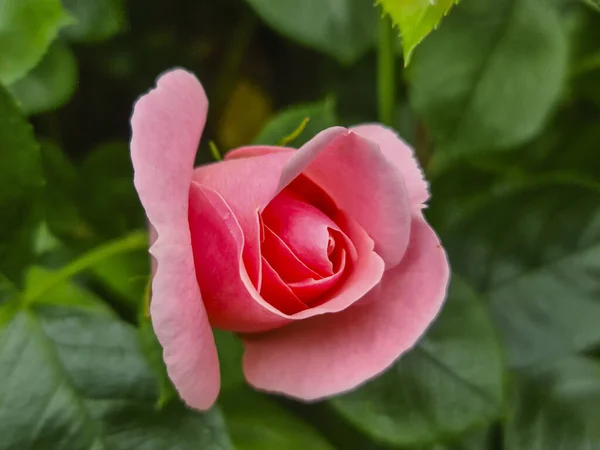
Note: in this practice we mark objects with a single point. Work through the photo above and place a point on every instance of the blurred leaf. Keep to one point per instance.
(451, 382)
(20, 183)
(27, 27)
(415, 19)
(343, 29)
(61, 209)
(245, 112)
(321, 116)
(107, 251)
(77, 380)
(557, 409)
(50, 84)
(230, 349)
(95, 20)
(106, 196)
(126, 275)
(154, 354)
(593, 3)
(256, 423)
(64, 293)
(490, 76)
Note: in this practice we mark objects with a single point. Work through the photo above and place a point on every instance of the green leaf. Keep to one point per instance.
(490, 76)
(20, 183)
(415, 19)
(256, 423)
(534, 251)
(154, 354)
(95, 20)
(557, 408)
(77, 380)
(27, 27)
(451, 382)
(63, 293)
(321, 116)
(230, 349)
(50, 84)
(61, 209)
(343, 29)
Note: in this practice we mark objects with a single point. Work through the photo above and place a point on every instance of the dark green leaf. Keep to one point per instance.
(321, 115)
(344, 29)
(230, 350)
(78, 380)
(154, 354)
(27, 27)
(95, 20)
(255, 423)
(452, 381)
(532, 249)
(50, 84)
(557, 409)
(60, 197)
(20, 182)
(106, 196)
(490, 76)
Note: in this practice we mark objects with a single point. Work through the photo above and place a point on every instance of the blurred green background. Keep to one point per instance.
(502, 106)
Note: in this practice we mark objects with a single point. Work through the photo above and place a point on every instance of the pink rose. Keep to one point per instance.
(319, 257)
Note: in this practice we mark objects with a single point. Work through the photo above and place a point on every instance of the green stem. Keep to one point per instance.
(133, 241)
(386, 83)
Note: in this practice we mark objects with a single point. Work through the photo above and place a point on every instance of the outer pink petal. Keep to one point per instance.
(362, 182)
(166, 125)
(329, 354)
(402, 156)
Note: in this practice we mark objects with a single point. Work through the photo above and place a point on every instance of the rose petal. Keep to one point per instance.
(277, 293)
(289, 267)
(402, 156)
(303, 228)
(329, 354)
(247, 186)
(232, 302)
(362, 182)
(310, 290)
(166, 127)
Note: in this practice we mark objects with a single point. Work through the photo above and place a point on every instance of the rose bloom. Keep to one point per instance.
(319, 258)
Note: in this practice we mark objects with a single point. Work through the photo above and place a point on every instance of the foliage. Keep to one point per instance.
(502, 105)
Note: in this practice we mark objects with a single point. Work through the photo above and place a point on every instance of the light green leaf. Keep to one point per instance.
(95, 20)
(556, 409)
(20, 184)
(64, 293)
(321, 115)
(451, 382)
(415, 19)
(77, 380)
(27, 27)
(343, 29)
(256, 423)
(50, 84)
(489, 78)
